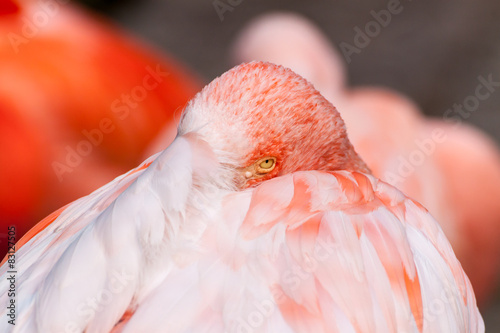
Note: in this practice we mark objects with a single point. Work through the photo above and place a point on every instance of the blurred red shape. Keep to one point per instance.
(79, 102)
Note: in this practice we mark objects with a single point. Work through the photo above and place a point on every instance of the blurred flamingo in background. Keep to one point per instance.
(454, 171)
(79, 103)
(256, 218)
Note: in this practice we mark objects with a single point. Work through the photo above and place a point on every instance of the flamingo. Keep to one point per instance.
(433, 161)
(79, 103)
(255, 218)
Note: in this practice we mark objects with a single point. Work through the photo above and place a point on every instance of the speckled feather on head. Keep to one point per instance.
(260, 109)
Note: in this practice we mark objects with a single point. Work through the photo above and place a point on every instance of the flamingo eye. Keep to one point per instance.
(260, 168)
(266, 165)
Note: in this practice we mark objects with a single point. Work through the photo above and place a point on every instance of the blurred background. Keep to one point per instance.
(433, 52)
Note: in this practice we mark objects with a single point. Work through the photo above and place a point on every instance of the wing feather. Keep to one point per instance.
(317, 252)
(379, 240)
(105, 251)
(309, 251)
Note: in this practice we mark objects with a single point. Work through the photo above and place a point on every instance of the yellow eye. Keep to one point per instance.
(266, 164)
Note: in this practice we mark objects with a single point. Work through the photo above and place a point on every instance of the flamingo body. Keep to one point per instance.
(192, 240)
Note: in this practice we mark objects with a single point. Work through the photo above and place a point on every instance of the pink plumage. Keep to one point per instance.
(255, 219)
(451, 168)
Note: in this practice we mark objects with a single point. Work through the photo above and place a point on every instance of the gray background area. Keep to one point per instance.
(433, 51)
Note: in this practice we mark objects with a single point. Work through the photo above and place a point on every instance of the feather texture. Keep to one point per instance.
(187, 242)
(308, 251)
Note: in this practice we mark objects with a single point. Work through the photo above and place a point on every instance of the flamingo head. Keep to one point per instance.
(263, 120)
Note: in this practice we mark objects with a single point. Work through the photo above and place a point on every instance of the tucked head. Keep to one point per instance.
(263, 121)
